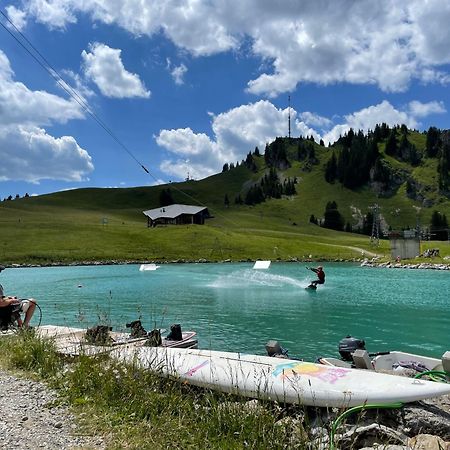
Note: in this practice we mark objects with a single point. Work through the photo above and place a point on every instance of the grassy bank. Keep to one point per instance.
(136, 409)
(107, 224)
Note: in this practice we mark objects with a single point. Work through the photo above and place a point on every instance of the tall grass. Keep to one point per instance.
(137, 409)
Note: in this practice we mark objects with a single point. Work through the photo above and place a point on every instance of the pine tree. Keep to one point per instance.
(332, 217)
(433, 142)
(391, 143)
(331, 169)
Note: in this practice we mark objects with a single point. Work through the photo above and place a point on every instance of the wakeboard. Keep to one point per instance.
(311, 287)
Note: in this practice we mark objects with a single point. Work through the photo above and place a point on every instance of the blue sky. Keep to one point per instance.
(186, 86)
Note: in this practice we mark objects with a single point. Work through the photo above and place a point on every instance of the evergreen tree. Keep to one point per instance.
(275, 154)
(313, 219)
(433, 142)
(391, 143)
(256, 152)
(407, 151)
(332, 217)
(372, 152)
(444, 164)
(254, 195)
(367, 223)
(225, 167)
(250, 163)
(226, 201)
(331, 169)
(381, 171)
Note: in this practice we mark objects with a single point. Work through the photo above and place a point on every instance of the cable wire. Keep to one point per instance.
(45, 64)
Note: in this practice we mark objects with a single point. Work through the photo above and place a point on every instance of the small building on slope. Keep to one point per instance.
(177, 215)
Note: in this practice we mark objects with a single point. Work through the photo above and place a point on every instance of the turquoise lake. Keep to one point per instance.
(236, 308)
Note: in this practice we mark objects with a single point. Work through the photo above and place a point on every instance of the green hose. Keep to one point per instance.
(436, 375)
(355, 409)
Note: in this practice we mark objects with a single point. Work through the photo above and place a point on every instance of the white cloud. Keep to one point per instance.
(20, 105)
(419, 109)
(103, 65)
(27, 151)
(343, 48)
(53, 13)
(236, 132)
(367, 118)
(30, 154)
(315, 120)
(17, 17)
(178, 73)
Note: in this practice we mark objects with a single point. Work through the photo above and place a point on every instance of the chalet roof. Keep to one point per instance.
(172, 211)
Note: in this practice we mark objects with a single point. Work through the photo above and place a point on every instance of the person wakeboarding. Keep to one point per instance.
(320, 276)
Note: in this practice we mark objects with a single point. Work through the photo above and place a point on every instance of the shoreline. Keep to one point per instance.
(399, 265)
(364, 262)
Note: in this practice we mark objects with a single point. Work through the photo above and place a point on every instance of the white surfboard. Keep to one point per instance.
(146, 267)
(284, 380)
(261, 264)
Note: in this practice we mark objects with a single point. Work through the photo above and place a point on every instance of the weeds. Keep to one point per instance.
(138, 409)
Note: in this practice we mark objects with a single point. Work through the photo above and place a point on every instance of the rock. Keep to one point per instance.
(428, 442)
(368, 435)
(426, 418)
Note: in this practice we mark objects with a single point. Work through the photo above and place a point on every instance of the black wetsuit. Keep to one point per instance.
(320, 277)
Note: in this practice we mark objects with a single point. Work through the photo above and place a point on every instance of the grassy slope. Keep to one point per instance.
(68, 226)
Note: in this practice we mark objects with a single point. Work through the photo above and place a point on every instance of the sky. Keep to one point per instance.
(91, 91)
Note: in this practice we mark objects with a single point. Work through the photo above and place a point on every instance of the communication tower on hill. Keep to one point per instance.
(375, 236)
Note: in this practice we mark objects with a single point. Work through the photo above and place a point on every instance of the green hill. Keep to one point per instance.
(108, 224)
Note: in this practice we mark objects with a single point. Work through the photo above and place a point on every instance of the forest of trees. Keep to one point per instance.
(355, 160)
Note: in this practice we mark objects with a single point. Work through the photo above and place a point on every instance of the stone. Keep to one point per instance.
(427, 442)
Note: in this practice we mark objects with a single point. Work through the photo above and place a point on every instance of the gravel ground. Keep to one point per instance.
(29, 420)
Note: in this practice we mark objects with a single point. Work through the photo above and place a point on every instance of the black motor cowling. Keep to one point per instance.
(348, 345)
(175, 333)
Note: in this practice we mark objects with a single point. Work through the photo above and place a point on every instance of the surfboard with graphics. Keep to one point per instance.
(284, 380)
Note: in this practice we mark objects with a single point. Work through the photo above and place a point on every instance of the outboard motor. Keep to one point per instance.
(175, 333)
(348, 345)
(273, 348)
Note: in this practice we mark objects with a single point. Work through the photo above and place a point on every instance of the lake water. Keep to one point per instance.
(236, 308)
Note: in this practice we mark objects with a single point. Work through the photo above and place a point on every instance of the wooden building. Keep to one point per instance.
(176, 215)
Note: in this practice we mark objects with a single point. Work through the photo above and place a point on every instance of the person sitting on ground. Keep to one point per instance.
(15, 306)
(320, 276)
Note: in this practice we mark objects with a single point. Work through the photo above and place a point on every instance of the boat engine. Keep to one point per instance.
(274, 349)
(348, 345)
(175, 333)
